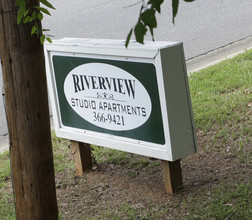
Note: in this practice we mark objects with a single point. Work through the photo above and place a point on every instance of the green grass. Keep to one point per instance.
(6, 197)
(130, 211)
(106, 155)
(61, 154)
(225, 201)
(4, 166)
(110, 156)
(222, 104)
(61, 163)
(222, 93)
(7, 209)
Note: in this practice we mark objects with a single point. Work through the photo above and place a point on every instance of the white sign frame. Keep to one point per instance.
(153, 53)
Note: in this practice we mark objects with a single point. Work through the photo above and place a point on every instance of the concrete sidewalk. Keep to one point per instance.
(194, 64)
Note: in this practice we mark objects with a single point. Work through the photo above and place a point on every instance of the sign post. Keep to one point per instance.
(172, 175)
(135, 100)
(82, 157)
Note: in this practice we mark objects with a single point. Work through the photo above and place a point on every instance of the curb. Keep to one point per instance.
(213, 57)
(193, 64)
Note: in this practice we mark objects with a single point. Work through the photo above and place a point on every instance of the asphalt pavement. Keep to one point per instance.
(194, 64)
(202, 26)
(210, 32)
(3, 123)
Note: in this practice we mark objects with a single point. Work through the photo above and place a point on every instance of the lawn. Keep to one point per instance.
(217, 179)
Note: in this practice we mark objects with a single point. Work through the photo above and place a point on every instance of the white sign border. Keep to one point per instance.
(106, 140)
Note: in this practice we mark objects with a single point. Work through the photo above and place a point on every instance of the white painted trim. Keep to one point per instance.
(140, 53)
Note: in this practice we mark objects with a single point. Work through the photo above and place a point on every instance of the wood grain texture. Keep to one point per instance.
(27, 112)
(172, 176)
(82, 157)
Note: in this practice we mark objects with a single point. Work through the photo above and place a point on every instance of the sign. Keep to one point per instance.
(107, 96)
(104, 94)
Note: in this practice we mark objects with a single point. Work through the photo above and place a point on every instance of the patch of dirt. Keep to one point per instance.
(110, 190)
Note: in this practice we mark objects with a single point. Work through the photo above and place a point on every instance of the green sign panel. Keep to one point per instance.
(114, 97)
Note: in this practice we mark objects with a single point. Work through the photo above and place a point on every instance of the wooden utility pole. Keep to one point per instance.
(27, 112)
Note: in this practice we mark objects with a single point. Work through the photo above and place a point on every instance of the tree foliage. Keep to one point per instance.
(147, 19)
(33, 13)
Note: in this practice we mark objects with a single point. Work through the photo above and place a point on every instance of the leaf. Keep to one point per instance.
(40, 16)
(140, 30)
(128, 38)
(17, 3)
(37, 29)
(31, 19)
(22, 4)
(175, 4)
(34, 29)
(49, 39)
(152, 33)
(22, 10)
(34, 15)
(20, 15)
(155, 4)
(46, 3)
(148, 18)
(42, 39)
(44, 10)
(26, 19)
(26, 13)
